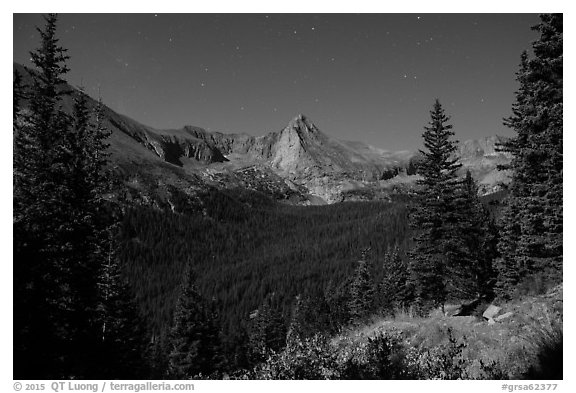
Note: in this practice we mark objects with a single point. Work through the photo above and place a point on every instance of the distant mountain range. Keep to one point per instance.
(298, 164)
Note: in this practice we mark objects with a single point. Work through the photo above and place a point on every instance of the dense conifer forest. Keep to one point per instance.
(243, 254)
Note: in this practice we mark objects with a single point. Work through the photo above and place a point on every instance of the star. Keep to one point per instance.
(170, 39)
(202, 84)
(313, 28)
(295, 32)
(418, 17)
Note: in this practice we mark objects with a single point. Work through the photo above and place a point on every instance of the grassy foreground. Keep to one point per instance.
(527, 344)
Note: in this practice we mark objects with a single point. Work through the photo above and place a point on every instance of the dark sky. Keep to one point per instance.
(369, 77)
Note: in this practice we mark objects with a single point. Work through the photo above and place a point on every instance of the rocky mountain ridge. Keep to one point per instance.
(299, 160)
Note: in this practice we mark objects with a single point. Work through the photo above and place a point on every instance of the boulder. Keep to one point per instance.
(491, 321)
(491, 311)
(503, 316)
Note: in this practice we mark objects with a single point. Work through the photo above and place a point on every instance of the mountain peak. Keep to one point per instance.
(302, 124)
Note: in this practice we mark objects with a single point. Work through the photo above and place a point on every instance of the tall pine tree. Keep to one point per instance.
(41, 250)
(61, 218)
(434, 215)
(531, 224)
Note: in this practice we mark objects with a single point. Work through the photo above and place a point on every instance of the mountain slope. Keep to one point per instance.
(299, 163)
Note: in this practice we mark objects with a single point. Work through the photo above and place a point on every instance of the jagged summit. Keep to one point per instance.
(302, 124)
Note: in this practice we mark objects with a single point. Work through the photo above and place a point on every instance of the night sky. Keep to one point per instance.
(370, 77)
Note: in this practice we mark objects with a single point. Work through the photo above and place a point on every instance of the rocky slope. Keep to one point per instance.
(482, 157)
(299, 163)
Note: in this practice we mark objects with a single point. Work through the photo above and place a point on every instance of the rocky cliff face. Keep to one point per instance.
(300, 153)
(481, 157)
(175, 148)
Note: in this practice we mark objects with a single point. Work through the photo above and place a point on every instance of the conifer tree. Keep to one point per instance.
(310, 315)
(122, 342)
(531, 223)
(194, 340)
(41, 249)
(268, 331)
(435, 214)
(472, 275)
(394, 292)
(361, 302)
(60, 215)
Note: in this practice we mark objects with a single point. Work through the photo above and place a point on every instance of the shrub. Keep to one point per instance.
(444, 361)
(309, 358)
(381, 357)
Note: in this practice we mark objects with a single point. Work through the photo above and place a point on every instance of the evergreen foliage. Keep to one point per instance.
(18, 96)
(311, 314)
(455, 237)
(242, 252)
(434, 215)
(123, 336)
(361, 302)
(42, 251)
(476, 278)
(394, 292)
(531, 223)
(194, 339)
(62, 257)
(268, 330)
